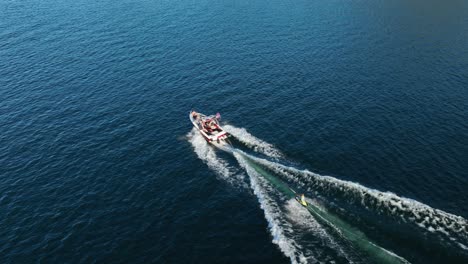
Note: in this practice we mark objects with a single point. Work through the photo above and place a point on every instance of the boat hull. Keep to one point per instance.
(219, 138)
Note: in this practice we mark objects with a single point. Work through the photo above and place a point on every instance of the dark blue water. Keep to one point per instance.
(98, 164)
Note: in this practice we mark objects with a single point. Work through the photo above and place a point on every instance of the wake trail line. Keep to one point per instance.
(278, 226)
(253, 142)
(208, 155)
(451, 227)
(448, 227)
(350, 233)
(279, 222)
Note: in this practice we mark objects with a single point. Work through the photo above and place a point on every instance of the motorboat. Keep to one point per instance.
(209, 127)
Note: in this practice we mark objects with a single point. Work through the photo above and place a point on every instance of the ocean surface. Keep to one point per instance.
(362, 105)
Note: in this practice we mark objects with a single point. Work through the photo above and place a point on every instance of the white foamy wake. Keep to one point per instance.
(276, 222)
(208, 155)
(300, 216)
(449, 227)
(251, 141)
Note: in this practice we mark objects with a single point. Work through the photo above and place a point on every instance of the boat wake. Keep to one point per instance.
(289, 223)
(208, 155)
(369, 252)
(299, 231)
(448, 227)
(251, 141)
(276, 222)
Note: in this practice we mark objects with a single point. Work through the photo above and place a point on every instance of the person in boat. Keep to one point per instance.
(207, 125)
(194, 114)
(212, 125)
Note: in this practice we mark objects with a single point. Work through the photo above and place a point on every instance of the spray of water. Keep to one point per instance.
(276, 222)
(449, 227)
(301, 217)
(454, 228)
(253, 142)
(374, 252)
(208, 155)
(280, 221)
